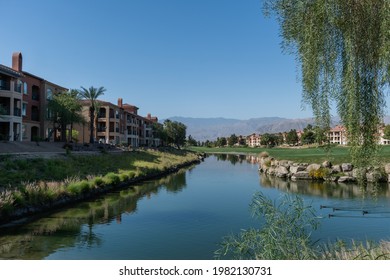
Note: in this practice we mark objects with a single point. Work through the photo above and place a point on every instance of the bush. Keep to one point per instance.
(111, 179)
(98, 181)
(79, 187)
(320, 173)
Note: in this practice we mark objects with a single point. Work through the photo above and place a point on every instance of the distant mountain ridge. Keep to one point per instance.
(203, 129)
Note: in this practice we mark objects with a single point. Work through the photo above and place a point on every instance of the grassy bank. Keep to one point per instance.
(29, 185)
(336, 155)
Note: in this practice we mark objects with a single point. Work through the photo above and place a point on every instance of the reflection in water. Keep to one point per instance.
(325, 189)
(74, 227)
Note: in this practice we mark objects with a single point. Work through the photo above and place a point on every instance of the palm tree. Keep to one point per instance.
(92, 95)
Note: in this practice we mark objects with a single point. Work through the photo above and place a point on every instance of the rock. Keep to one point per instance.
(374, 176)
(359, 173)
(387, 168)
(345, 179)
(332, 178)
(271, 171)
(345, 167)
(336, 169)
(297, 168)
(285, 163)
(301, 175)
(313, 166)
(326, 164)
(281, 171)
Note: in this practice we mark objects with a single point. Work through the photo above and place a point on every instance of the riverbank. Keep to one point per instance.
(301, 154)
(31, 186)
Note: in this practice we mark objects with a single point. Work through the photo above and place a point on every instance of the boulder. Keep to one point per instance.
(359, 173)
(326, 164)
(313, 167)
(336, 169)
(374, 176)
(346, 167)
(301, 175)
(346, 179)
(296, 168)
(281, 171)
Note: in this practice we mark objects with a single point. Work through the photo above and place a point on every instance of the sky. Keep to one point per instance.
(190, 58)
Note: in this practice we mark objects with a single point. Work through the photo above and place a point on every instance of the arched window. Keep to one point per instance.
(49, 94)
(25, 88)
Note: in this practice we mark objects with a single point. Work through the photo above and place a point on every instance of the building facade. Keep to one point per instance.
(118, 124)
(25, 97)
(11, 97)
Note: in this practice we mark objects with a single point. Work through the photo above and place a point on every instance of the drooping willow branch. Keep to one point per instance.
(343, 48)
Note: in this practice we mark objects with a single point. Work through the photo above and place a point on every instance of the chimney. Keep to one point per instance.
(149, 116)
(17, 61)
(120, 102)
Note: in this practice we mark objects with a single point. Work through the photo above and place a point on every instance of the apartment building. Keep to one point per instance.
(11, 96)
(253, 140)
(118, 124)
(24, 97)
(338, 135)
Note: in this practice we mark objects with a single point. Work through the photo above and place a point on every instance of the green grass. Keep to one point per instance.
(45, 180)
(337, 154)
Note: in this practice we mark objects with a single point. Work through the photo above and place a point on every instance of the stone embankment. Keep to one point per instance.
(344, 172)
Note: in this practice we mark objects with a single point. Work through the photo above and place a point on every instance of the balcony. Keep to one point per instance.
(5, 84)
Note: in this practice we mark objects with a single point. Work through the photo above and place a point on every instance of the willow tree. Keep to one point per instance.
(343, 49)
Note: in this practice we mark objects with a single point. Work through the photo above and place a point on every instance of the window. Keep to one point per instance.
(25, 88)
(24, 109)
(18, 86)
(49, 94)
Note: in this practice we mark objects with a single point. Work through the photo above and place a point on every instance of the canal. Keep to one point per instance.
(185, 215)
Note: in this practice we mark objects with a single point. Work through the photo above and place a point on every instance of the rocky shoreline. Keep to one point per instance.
(342, 173)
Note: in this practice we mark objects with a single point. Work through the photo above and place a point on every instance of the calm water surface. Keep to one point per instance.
(185, 215)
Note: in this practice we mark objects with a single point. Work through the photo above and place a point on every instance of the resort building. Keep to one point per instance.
(338, 135)
(253, 140)
(11, 93)
(118, 124)
(23, 99)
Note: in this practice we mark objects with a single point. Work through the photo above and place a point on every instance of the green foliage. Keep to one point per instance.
(92, 94)
(283, 235)
(386, 132)
(175, 132)
(320, 173)
(232, 140)
(79, 187)
(65, 110)
(191, 141)
(343, 48)
(292, 137)
(111, 178)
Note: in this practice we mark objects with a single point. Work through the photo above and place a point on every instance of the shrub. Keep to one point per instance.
(111, 179)
(79, 187)
(320, 173)
(98, 181)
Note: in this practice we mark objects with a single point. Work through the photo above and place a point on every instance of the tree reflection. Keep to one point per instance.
(74, 227)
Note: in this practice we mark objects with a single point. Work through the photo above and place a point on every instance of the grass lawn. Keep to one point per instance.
(337, 154)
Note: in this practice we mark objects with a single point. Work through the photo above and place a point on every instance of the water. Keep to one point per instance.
(185, 215)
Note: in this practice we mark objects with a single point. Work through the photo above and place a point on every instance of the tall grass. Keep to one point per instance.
(44, 181)
(285, 234)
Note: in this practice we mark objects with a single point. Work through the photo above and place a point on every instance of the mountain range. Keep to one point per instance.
(203, 129)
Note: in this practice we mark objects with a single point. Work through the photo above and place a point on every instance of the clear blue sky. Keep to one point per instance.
(192, 58)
